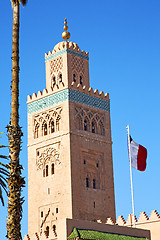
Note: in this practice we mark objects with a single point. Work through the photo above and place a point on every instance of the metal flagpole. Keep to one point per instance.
(131, 175)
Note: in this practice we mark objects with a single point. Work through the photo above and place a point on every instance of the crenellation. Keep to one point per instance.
(143, 217)
(66, 45)
(121, 221)
(131, 219)
(110, 221)
(45, 92)
(101, 94)
(90, 90)
(99, 221)
(34, 96)
(57, 88)
(29, 98)
(154, 216)
(96, 92)
(39, 94)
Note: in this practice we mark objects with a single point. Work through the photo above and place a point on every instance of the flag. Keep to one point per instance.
(138, 155)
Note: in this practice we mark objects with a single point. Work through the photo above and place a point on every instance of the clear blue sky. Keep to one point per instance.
(123, 41)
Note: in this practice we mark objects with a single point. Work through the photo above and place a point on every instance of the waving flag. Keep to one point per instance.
(138, 155)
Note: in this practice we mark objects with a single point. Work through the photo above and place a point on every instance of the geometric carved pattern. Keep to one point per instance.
(77, 64)
(89, 120)
(68, 94)
(49, 155)
(56, 65)
(47, 122)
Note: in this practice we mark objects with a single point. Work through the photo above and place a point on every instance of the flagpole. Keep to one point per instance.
(131, 175)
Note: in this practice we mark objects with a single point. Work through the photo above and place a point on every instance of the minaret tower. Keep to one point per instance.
(70, 170)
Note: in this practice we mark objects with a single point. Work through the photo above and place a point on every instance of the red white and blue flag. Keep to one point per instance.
(138, 155)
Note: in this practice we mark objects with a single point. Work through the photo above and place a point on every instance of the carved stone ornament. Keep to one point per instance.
(49, 155)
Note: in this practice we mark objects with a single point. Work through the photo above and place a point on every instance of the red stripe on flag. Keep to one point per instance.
(141, 158)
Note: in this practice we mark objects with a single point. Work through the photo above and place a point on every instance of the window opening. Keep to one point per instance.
(47, 231)
(74, 77)
(87, 182)
(94, 204)
(56, 210)
(53, 81)
(41, 214)
(93, 127)
(52, 168)
(46, 170)
(84, 161)
(81, 81)
(60, 78)
(45, 129)
(36, 135)
(49, 191)
(37, 153)
(85, 125)
(97, 165)
(54, 230)
(94, 183)
(57, 124)
(52, 127)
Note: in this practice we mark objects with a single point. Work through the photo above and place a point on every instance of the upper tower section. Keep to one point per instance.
(66, 65)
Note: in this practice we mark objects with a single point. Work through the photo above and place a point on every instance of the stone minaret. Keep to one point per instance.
(70, 170)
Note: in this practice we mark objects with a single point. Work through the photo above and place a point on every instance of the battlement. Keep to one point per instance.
(44, 236)
(69, 47)
(143, 218)
(151, 223)
(74, 86)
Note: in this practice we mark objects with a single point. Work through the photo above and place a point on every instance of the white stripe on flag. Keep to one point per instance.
(134, 152)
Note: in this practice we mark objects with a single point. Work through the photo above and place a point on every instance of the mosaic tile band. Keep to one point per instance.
(68, 94)
(68, 51)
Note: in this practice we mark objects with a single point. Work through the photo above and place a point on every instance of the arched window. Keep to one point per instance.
(36, 132)
(52, 127)
(53, 81)
(60, 77)
(54, 230)
(94, 183)
(79, 122)
(46, 170)
(87, 182)
(44, 129)
(52, 168)
(74, 77)
(47, 232)
(93, 127)
(101, 128)
(57, 123)
(86, 124)
(81, 80)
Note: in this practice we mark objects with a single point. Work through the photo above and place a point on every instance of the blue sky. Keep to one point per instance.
(122, 38)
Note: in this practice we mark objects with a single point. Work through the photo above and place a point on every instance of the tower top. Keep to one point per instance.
(65, 34)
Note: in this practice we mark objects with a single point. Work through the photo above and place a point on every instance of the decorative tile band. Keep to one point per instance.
(68, 51)
(68, 94)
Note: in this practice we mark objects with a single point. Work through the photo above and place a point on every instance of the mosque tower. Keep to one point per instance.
(70, 169)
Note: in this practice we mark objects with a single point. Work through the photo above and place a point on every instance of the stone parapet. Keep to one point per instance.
(74, 86)
(69, 47)
(151, 223)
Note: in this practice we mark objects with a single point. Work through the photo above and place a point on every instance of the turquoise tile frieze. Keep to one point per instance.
(68, 94)
(64, 51)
